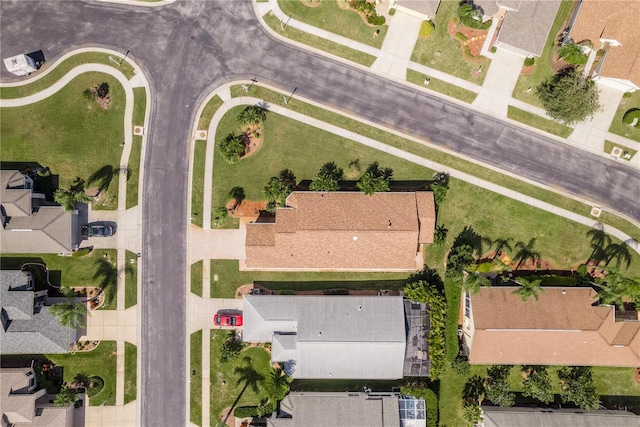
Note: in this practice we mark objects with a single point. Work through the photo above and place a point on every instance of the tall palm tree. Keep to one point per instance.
(81, 380)
(440, 235)
(250, 377)
(474, 281)
(572, 53)
(65, 397)
(70, 313)
(502, 243)
(526, 252)
(528, 288)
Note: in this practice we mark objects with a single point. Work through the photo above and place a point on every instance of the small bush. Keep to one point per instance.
(630, 115)
(461, 36)
(627, 95)
(486, 25)
(461, 365)
(426, 29)
(376, 20)
(246, 411)
(392, 11)
(494, 49)
(286, 292)
(87, 94)
(82, 252)
(467, 51)
(336, 292)
(528, 62)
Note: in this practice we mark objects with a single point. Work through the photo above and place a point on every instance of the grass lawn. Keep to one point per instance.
(620, 128)
(543, 70)
(331, 17)
(196, 380)
(281, 149)
(229, 279)
(63, 68)
(139, 107)
(100, 362)
(541, 123)
(196, 278)
(209, 110)
(318, 42)
(73, 271)
(131, 281)
(608, 147)
(441, 157)
(450, 60)
(226, 385)
(197, 182)
(47, 132)
(130, 373)
(441, 86)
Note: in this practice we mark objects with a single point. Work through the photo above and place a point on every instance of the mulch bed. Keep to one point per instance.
(246, 208)
(475, 40)
(527, 70)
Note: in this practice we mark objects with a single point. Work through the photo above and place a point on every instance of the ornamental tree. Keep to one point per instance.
(568, 98)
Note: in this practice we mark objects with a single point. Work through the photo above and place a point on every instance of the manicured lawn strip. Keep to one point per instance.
(196, 380)
(208, 111)
(100, 362)
(197, 182)
(196, 278)
(608, 146)
(130, 373)
(133, 168)
(282, 149)
(543, 69)
(541, 123)
(450, 59)
(70, 134)
(131, 280)
(620, 128)
(440, 157)
(331, 17)
(62, 69)
(319, 43)
(226, 385)
(441, 86)
(230, 278)
(67, 271)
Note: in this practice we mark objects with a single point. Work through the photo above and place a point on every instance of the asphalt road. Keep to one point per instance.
(189, 49)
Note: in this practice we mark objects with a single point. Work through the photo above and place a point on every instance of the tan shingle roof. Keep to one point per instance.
(612, 20)
(561, 328)
(344, 230)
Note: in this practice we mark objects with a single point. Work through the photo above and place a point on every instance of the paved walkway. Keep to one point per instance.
(118, 325)
(495, 94)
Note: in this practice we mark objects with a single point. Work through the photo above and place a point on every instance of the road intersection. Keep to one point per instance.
(188, 49)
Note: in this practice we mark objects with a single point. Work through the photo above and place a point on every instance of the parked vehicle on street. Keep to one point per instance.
(227, 318)
(97, 230)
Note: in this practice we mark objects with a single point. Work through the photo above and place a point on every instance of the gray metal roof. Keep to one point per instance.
(330, 336)
(537, 417)
(25, 328)
(527, 29)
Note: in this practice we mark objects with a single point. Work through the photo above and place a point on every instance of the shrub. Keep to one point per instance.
(232, 147)
(426, 29)
(567, 98)
(467, 51)
(376, 20)
(461, 36)
(286, 292)
(82, 252)
(246, 411)
(486, 25)
(392, 11)
(627, 95)
(336, 292)
(494, 49)
(529, 61)
(231, 347)
(572, 54)
(461, 365)
(630, 115)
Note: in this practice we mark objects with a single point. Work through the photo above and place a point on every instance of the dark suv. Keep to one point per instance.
(97, 231)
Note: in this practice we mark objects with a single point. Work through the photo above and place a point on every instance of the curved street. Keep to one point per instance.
(187, 49)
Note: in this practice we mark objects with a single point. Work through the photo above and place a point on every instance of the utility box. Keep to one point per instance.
(20, 65)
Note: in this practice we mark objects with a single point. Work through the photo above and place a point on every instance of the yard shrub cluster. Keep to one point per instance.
(369, 11)
(426, 29)
(234, 146)
(529, 61)
(231, 347)
(471, 17)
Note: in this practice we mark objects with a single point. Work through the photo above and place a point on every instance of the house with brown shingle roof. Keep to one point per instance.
(611, 26)
(343, 231)
(565, 326)
(30, 224)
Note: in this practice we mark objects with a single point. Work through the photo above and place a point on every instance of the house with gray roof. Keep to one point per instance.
(348, 337)
(28, 327)
(524, 25)
(424, 9)
(301, 409)
(23, 404)
(547, 417)
(30, 224)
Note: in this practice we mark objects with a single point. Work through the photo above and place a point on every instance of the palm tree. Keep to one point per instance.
(252, 115)
(619, 252)
(277, 384)
(528, 288)
(440, 235)
(250, 377)
(81, 380)
(220, 214)
(328, 178)
(469, 16)
(75, 194)
(526, 252)
(474, 281)
(502, 243)
(65, 397)
(70, 313)
(572, 53)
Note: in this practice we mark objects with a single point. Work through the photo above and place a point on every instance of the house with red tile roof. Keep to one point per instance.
(564, 326)
(344, 231)
(611, 26)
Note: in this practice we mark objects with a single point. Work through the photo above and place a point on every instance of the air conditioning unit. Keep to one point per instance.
(39, 304)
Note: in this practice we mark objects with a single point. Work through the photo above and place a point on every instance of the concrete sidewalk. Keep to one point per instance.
(395, 55)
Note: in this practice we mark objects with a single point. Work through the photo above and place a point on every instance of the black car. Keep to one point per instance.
(97, 231)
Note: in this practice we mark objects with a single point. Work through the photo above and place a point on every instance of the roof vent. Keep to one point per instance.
(355, 238)
(360, 307)
(564, 292)
(320, 333)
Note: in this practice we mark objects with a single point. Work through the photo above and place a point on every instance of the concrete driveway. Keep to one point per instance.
(216, 244)
(201, 310)
(499, 83)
